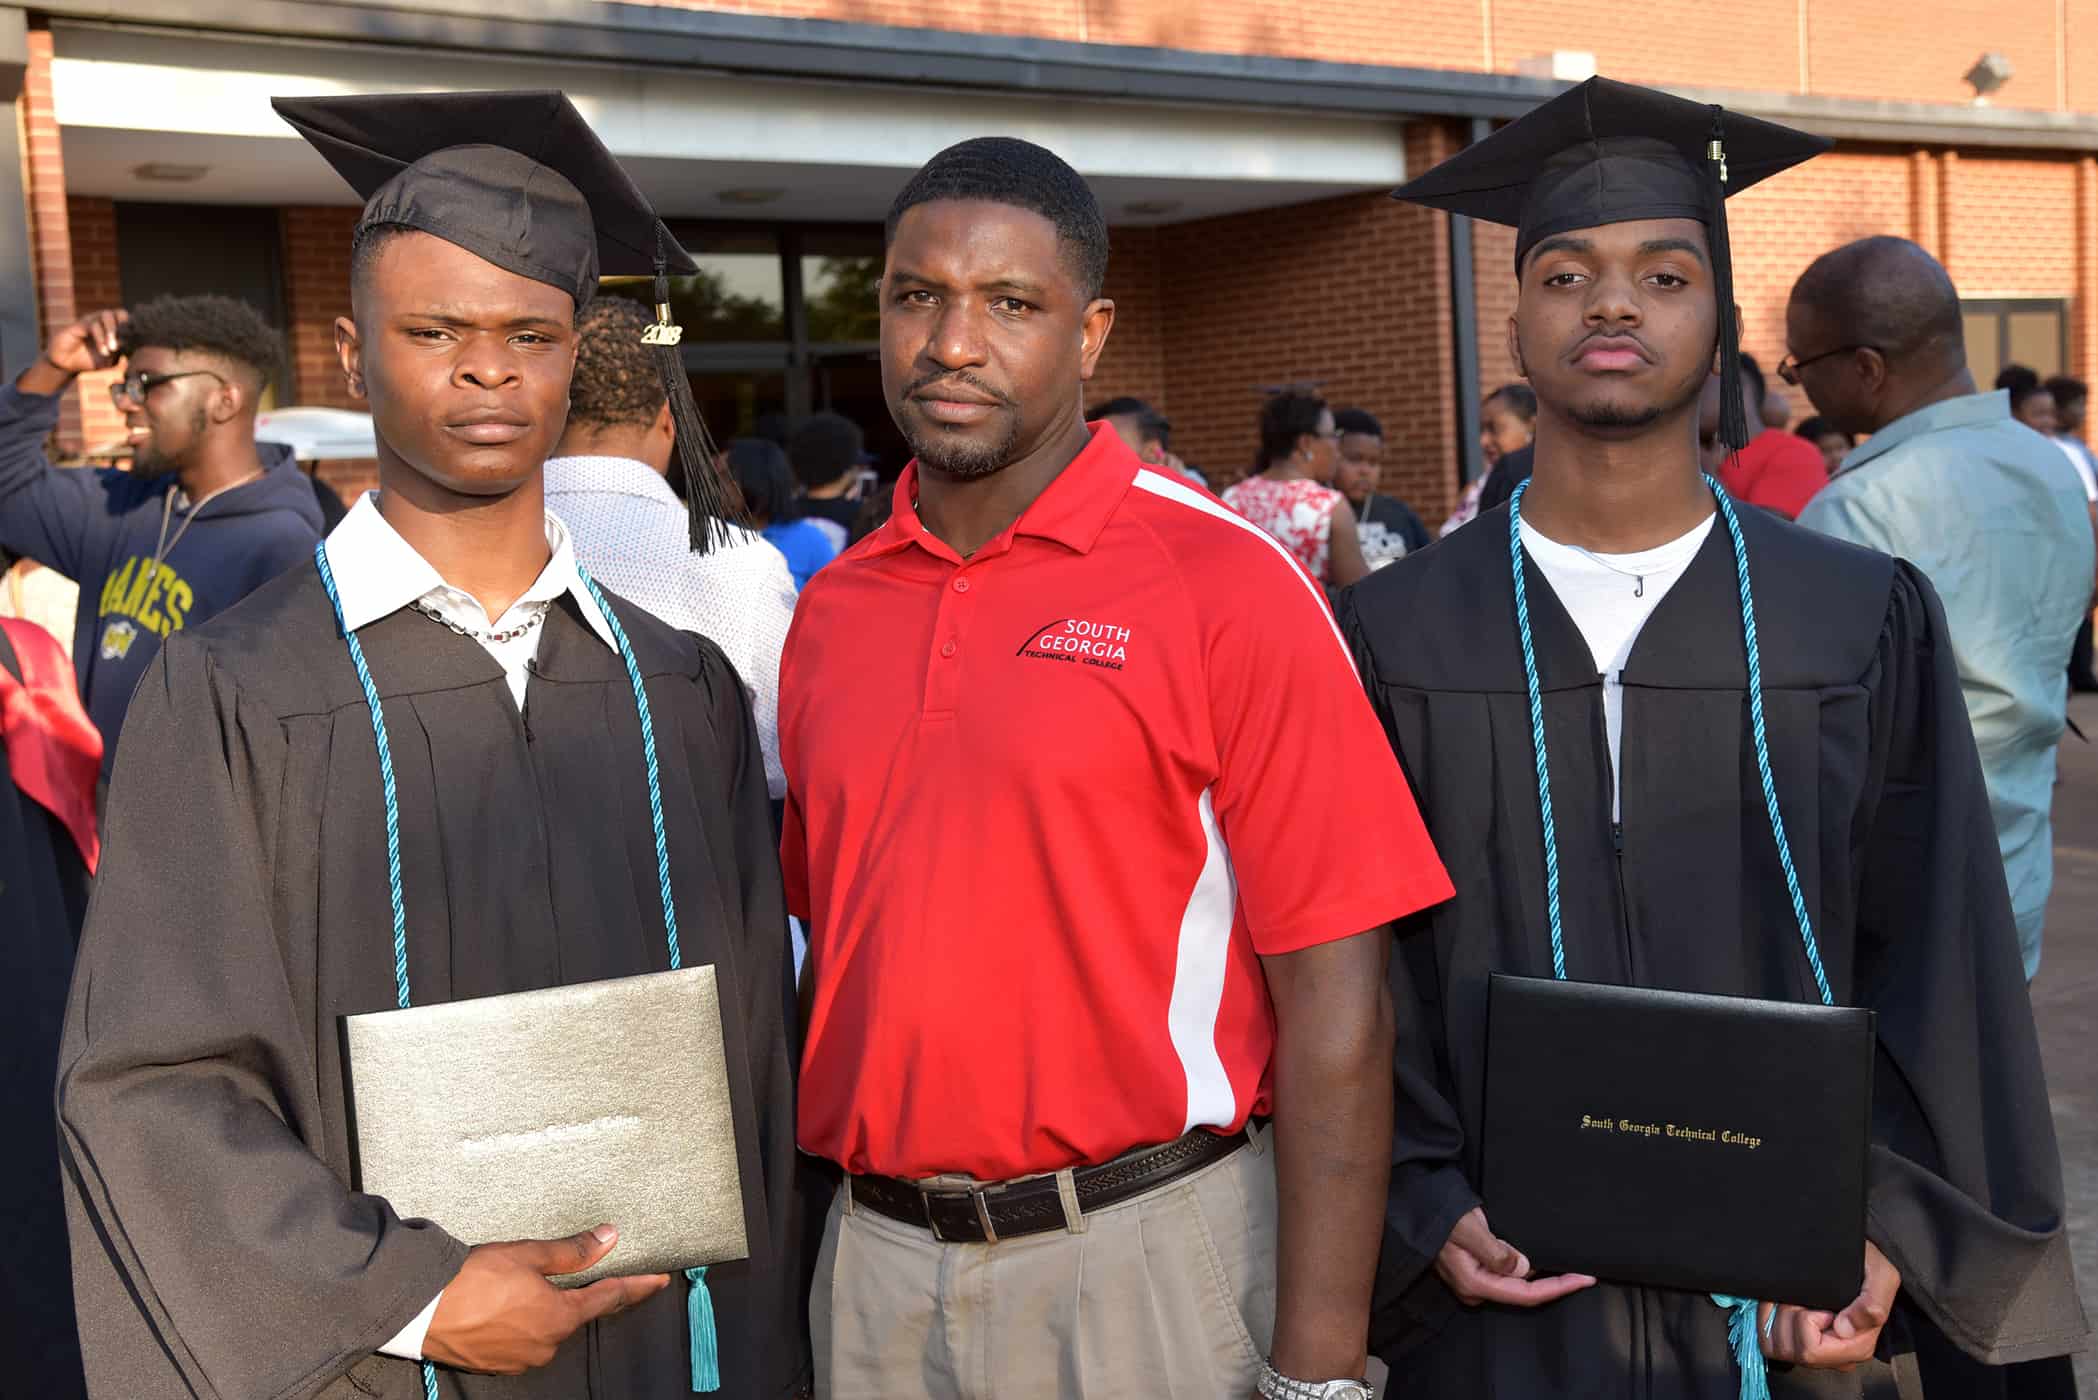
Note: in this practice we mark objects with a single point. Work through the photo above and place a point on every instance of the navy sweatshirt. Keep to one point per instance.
(100, 528)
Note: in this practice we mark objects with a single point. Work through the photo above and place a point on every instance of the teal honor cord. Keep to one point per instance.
(706, 1373)
(1741, 1324)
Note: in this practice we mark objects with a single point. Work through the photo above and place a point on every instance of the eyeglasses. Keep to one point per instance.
(1788, 368)
(133, 387)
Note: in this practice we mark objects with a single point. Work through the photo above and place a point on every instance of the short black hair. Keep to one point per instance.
(1124, 407)
(2023, 383)
(1889, 294)
(1357, 420)
(1752, 373)
(759, 466)
(1815, 428)
(1006, 170)
(824, 449)
(222, 326)
(1519, 397)
(366, 242)
(1284, 418)
(2068, 389)
(616, 383)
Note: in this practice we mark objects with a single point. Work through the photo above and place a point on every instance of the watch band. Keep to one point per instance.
(1273, 1385)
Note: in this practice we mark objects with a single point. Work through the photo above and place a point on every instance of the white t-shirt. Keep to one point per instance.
(2080, 458)
(1610, 597)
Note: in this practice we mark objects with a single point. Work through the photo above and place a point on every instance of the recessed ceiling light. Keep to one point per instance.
(1151, 208)
(169, 172)
(749, 196)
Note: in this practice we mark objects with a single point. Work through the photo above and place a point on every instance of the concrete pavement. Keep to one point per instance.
(2065, 1002)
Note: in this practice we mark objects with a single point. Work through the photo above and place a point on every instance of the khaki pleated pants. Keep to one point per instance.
(1169, 1296)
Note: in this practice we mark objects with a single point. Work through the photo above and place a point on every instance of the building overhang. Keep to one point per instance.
(183, 115)
(670, 36)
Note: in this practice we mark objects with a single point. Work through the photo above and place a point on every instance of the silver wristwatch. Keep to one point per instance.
(1273, 1385)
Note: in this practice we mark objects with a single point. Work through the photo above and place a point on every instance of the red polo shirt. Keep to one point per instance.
(1049, 806)
(1778, 470)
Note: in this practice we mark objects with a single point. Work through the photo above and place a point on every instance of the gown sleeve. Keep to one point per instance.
(215, 1253)
(1429, 1191)
(1965, 1193)
(774, 1308)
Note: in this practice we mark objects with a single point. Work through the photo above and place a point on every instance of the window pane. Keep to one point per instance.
(839, 271)
(1982, 328)
(732, 401)
(2036, 340)
(739, 294)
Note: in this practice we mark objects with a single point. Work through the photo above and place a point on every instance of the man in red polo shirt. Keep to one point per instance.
(1778, 470)
(1097, 839)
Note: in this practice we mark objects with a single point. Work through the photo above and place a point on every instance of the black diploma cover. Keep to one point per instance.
(1707, 1143)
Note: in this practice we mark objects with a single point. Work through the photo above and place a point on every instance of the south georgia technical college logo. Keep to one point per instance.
(1080, 642)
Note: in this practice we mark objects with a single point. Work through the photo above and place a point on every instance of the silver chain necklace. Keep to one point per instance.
(1638, 579)
(509, 634)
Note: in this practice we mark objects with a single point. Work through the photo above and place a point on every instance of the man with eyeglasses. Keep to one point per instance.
(204, 516)
(1985, 506)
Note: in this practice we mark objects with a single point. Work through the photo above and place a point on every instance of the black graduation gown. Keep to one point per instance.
(1882, 795)
(43, 894)
(242, 910)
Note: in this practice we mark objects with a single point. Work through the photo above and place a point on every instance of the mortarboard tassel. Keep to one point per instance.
(706, 495)
(699, 1318)
(1748, 1347)
(1733, 409)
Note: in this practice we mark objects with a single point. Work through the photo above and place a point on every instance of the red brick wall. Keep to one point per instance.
(51, 239)
(1450, 34)
(1351, 293)
(97, 286)
(1842, 48)
(316, 291)
(1135, 360)
(1753, 47)
(1874, 48)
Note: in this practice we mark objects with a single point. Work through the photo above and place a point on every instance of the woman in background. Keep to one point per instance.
(1507, 422)
(1292, 496)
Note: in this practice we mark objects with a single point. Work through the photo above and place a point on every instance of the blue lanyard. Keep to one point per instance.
(393, 864)
(1741, 1327)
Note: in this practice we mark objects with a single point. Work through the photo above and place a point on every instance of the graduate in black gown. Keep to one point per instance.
(243, 908)
(1671, 874)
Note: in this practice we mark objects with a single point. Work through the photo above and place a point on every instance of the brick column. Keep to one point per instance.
(1948, 236)
(316, 291)
(2083, 312)
(97, 286)
(51, 242)
(1924, 206)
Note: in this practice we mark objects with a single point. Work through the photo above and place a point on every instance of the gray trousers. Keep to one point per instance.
(1171, 1294)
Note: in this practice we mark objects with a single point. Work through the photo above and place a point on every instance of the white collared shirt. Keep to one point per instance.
(633, 534)
(377, 573)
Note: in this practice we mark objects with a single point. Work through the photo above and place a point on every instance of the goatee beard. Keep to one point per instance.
(961, 458)
(1610, 415)
(148, 463)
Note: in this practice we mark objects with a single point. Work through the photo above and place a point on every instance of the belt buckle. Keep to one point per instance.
(978, 1197)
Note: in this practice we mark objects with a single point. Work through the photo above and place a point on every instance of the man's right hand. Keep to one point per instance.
(90, 343)
(1479, 1267)
(501, 1317)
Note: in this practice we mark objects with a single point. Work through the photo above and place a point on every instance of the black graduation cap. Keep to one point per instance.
(1609, 153)
(519, 179)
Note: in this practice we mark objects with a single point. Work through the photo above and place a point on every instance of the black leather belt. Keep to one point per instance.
(988, 1214)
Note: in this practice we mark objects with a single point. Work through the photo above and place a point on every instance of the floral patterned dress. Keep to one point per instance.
(1299, 513)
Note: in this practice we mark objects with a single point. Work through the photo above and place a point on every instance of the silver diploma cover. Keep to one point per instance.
(538, 1114)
